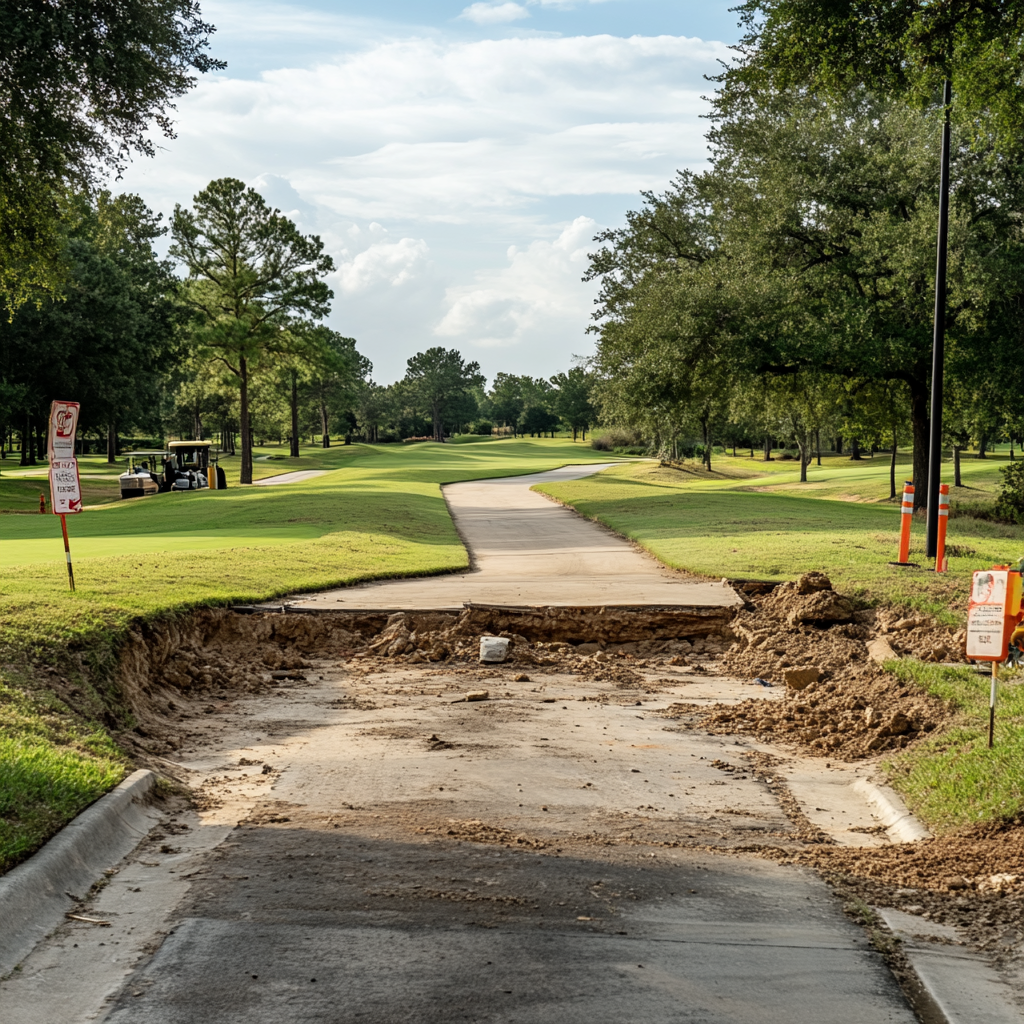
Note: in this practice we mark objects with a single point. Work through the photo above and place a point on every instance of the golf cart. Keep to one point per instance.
(185, 466)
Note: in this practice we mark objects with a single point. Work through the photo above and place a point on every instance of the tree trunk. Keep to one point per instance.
(705, 427)
(892, 466)
(982, 447)
(767, 449)
(24, 442)
(245, 477)
(803, 448)
(325, 437)
(855, 454)
(920, 422)
(111, 442)
(293, 446)
(839, 444)
(817, 444)
(956, 466)
(438, 425)
(573, 435)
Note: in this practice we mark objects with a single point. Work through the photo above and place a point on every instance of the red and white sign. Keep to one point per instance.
(65, 487)
(60, 442)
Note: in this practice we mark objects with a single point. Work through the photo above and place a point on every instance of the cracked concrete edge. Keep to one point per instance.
(953, 985)
(34, 895)
(892, 812)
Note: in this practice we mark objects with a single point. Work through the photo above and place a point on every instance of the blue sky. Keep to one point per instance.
(456, 158)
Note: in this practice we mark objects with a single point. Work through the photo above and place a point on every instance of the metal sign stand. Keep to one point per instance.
(67, 553)
(992, 705)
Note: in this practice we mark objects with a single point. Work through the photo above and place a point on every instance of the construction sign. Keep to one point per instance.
(65, 487)
(60, 442)
(992, 613)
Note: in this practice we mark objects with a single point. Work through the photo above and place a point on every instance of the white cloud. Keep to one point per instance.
(494, 13)
(416, 159)
(384, 263)
(538, 296)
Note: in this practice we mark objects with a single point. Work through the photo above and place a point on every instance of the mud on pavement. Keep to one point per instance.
(254, 682)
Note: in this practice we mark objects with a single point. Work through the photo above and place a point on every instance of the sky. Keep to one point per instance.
(456, 159)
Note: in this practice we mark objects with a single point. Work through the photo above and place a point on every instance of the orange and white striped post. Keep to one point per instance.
(906, 517)
(940, 551)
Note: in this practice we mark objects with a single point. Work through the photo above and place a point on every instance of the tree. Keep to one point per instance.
(506, 397)
(335, 373)
(573, 403)
(254, 283)
(109, 339)
(904, 48)
(438, 378)
(81, 82)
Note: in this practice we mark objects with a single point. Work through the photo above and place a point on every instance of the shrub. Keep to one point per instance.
(617, 439)
(1009, 506)
(482, 427)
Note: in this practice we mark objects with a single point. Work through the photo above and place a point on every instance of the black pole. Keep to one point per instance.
(939, 338)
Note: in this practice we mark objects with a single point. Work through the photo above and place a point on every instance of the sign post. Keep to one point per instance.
(65, 486)
(992, 616)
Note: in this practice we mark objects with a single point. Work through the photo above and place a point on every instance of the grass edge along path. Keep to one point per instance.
(377, 513)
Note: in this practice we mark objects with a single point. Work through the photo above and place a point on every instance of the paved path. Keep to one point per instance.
(545, 857)
(528, 550)
(289, 478)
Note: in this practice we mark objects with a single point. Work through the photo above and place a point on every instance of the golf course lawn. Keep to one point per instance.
(750, 519)
(375, 512)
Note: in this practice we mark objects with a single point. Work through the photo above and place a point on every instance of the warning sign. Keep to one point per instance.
(65, 487)
(60, 442)
(992, 613)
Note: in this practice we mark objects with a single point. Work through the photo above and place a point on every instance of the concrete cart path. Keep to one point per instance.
(544, 857)
(289, 478)
(528, 550)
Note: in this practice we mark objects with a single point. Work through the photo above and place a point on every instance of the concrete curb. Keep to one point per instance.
(893, 813)
(33, 896)
(956, 985)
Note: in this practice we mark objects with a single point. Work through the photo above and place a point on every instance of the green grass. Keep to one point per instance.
(768, 526)
(52, 767)
(375, 512)
(953, 779)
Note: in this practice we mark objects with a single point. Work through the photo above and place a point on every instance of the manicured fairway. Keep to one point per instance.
(377, 511)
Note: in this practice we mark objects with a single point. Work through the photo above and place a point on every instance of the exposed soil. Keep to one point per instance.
(839, 702)
(972, 879)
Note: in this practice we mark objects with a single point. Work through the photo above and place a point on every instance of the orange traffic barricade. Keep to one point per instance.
(941, 562)
(906, 517)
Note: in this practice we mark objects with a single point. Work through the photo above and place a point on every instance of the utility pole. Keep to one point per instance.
(939, 336)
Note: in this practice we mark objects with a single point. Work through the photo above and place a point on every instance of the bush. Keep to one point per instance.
(482, 428)
(1009, 506)
(618, 439)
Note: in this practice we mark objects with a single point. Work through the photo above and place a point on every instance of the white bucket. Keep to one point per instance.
(493, 648)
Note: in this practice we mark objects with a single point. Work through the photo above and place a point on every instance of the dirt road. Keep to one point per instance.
(526, 549)
(371, 851)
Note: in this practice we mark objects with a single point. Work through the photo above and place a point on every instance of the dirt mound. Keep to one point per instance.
(983, 858)
(409, 638)
(865, 713)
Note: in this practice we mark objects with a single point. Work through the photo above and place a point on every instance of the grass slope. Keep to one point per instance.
(376, 512)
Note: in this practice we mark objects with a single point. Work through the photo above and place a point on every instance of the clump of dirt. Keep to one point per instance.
(416, 639)
(983, 858)
(476, 831)
(865, 713)
(838, 701)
